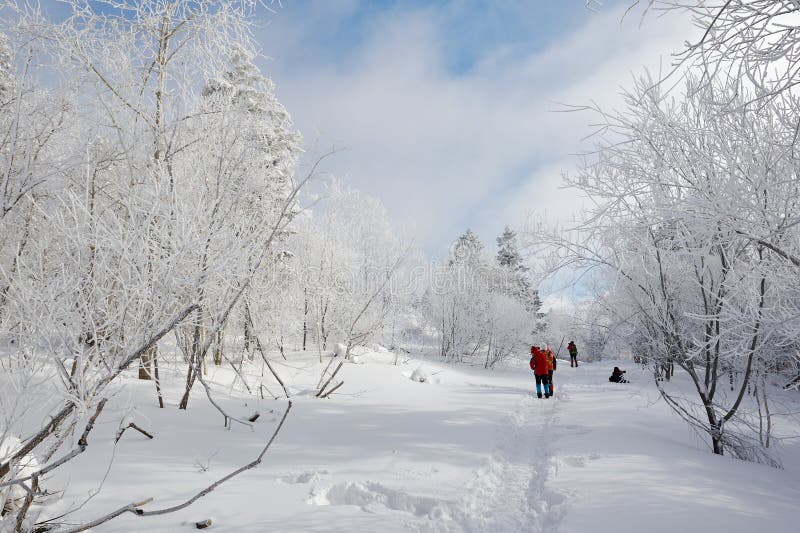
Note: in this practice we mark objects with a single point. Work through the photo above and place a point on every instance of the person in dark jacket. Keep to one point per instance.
(573, 353)
(540, 367)
(617, 376)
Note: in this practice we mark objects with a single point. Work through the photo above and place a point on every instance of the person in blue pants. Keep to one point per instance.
(541, 367)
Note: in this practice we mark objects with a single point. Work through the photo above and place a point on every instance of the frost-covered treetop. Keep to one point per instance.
(466, 249)
(6, 65)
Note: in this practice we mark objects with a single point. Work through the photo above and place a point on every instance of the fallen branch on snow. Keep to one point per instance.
(136, 509)
(131, 426)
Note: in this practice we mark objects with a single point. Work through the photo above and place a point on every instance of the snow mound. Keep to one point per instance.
(339, 350)
(420, 375)
(373, 497)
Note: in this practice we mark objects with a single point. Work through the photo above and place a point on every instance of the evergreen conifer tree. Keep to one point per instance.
(467, 249)
(517, 283)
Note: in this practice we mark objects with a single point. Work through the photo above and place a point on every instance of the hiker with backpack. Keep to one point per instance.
(541, 368)
(573, 354)
(551, 367)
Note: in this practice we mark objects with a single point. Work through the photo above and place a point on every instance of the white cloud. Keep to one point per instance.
(444, 151)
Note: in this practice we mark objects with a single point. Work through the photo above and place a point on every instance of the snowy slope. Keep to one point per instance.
(466, 450)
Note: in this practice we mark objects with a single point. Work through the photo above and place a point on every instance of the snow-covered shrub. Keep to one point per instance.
(339, 350)
(419, 375)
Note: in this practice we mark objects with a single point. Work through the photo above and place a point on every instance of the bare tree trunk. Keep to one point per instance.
(157, 380)
(248, 334)
(769, 417)
(146, 364)
(443, 347)
(194, 362)
(201, 354)
(716, 438)
(219, 346)
(319, 337)
(764, 433)
(305, 318)
(760, 417)
(323, 333)
(488, 351)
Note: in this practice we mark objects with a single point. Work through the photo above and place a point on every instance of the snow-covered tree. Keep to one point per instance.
(756, 40)
(507, 251)
(466, 249)
(155, 205)
(243, 159)
(678, 185)
(6, 68)
(480, 308)
(516, 281)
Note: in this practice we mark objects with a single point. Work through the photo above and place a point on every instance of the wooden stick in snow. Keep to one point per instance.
(132, 426)
(332, 390)
(329, 379)
(322, 376)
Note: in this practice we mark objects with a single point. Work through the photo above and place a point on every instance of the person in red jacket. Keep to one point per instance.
(540, 367)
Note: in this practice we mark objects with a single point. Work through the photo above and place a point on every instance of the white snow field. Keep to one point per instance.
(464, 450)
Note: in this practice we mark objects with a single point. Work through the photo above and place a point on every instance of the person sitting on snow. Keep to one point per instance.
(617, 376)
(540, 368)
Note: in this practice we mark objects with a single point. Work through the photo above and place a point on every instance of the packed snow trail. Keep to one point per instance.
(509, 492)
(465, 451)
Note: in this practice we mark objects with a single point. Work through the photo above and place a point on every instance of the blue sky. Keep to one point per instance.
(468, 28)
(445, 110)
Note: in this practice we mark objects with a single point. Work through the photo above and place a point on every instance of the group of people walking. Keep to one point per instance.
(543, 363)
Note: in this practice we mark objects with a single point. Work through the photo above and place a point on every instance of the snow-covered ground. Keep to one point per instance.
(464, 450)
